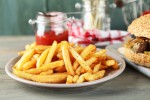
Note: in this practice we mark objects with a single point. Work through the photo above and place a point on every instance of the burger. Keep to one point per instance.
(137, 49)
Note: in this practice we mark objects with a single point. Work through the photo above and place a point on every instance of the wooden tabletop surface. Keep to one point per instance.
(130, 85)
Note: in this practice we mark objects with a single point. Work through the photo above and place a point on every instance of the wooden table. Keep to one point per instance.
(130, 85)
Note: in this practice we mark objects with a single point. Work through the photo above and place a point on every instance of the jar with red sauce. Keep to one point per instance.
(49, 27)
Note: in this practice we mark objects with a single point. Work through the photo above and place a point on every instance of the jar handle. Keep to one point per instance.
(32, 22)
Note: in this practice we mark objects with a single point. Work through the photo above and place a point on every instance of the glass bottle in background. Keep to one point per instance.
(96, 14)
(102, 19)
(87, 16)
(50, 27)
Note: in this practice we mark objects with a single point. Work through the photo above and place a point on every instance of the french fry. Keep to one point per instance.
(115, 66)
(80, 60)
(25, 58)
(89, 62)
(46, 67)
(96, 68)
(51, 53)
(75, 78)
(39, 52)
(103, 67)
(59, 55)
(36, 56)
(60, 69)
(41, 47)
(79, 49)
(54, 78)
(67, 60)
(29, 65)
(83, 70)
(102, 57)
(81, 78)
(21, 52)
(78, 71)
(92, 66)
(60, 45)
(109, 62)
(31, 46)
(42, 58)
(99, 53)
(84, 54)
(48, 72)
(63, 63)
(69, 79)
(95, 76)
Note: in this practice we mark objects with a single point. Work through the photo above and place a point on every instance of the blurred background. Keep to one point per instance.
(14, 14)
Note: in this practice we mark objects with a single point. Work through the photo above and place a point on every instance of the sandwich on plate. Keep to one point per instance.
(137, 49)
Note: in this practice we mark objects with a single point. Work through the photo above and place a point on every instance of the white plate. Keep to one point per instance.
(111, 75)
(114, 48)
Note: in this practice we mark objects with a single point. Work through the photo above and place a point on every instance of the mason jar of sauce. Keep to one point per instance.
(50, 27)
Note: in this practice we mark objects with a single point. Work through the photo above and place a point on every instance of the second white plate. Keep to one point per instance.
(114, 48)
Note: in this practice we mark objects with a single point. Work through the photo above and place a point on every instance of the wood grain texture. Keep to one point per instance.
(130, 85)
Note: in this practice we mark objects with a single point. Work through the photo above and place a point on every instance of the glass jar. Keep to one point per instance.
(49, 27)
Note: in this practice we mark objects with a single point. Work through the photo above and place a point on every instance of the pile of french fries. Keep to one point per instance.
(63, 63)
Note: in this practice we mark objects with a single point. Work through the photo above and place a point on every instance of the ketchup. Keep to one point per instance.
(49, 36)
(50, 27)
(146, 12)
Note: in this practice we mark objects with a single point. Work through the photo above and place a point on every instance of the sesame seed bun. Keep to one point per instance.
(140, 27)
(138, 58)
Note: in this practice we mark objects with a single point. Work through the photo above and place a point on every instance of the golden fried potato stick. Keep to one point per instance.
(59, 55)
(115, 66)
(95, 76)
(79, 49)
(51, 53)
(31, 46)
(83, 70)
(60, 69)
(80, 60)
(102, 57)
(46, 67)
(54, 78)
(103, 67)
(48, 72)
(41, 47)
(78, 70)
(96, 67)
(42, 58)
(60, 45)
(30, 64)
(90, 61)
(99, 53)
(75, 78)
(66, 58)
(69, 79)
(84, 54)
(81, 78)
(109, 62)
(25, 58)
(21, 52)
(36, 56)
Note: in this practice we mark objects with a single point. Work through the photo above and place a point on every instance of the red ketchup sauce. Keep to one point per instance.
(146, 12)
(50, 36)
